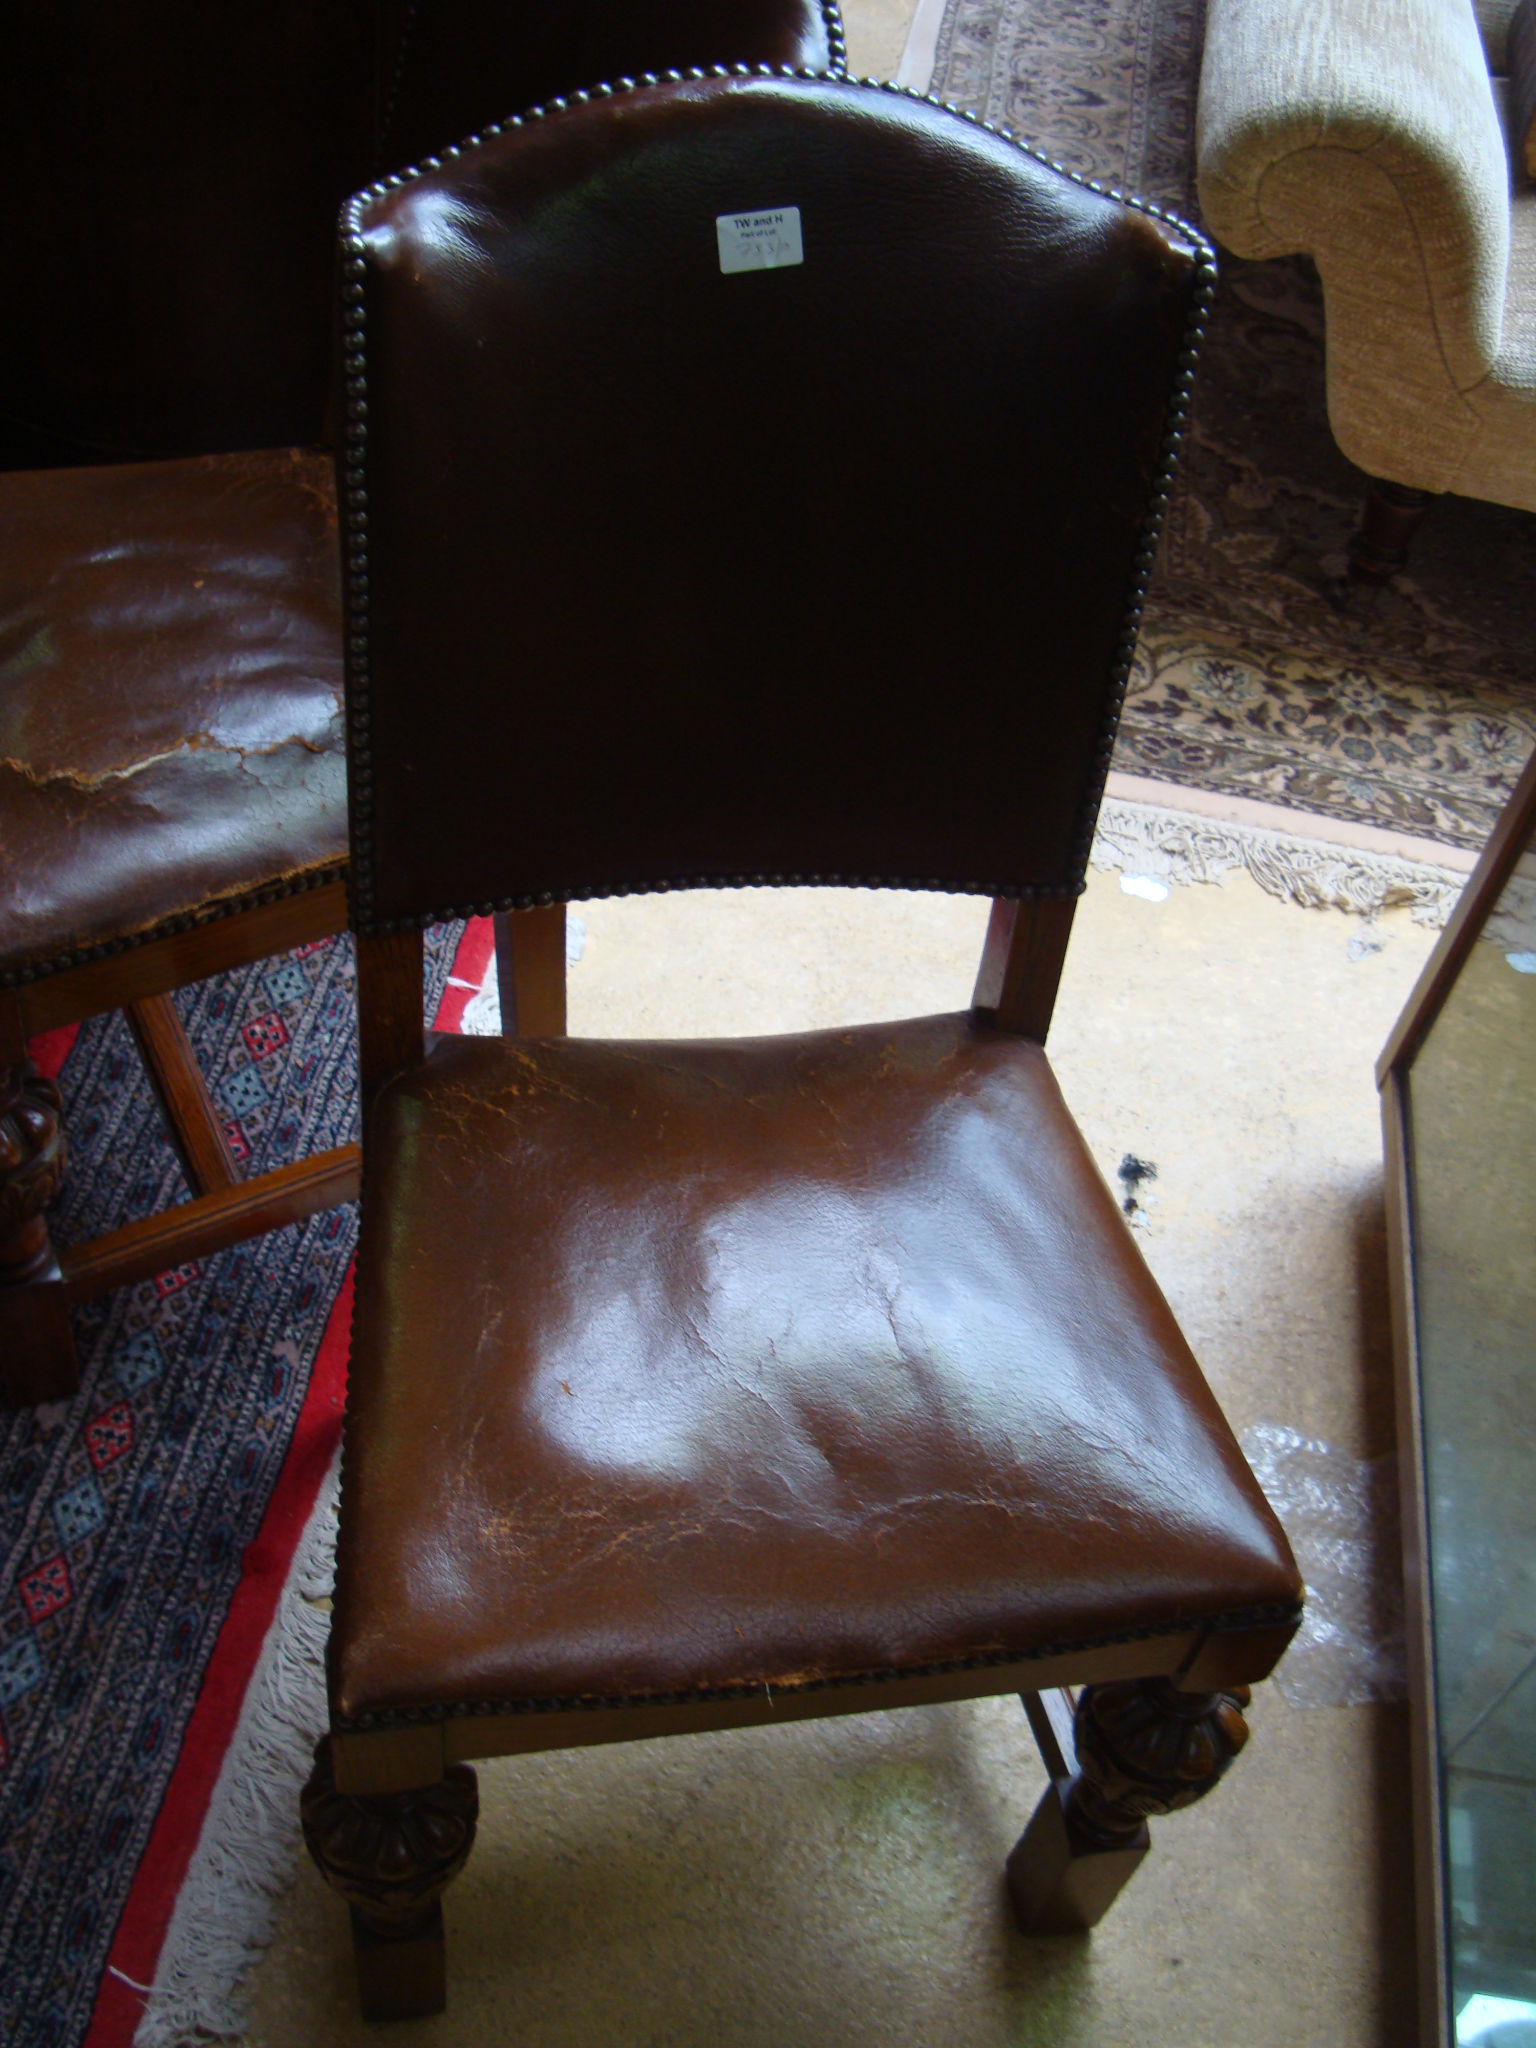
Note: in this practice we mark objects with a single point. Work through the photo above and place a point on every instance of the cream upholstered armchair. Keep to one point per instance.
(1371, 136)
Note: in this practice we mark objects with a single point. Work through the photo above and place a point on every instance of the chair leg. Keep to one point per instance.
(391, 1856)
(1389, 519)
(36, 1345)
(1142, 1748)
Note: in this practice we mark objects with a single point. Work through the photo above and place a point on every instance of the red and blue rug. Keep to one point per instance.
(148, 1523)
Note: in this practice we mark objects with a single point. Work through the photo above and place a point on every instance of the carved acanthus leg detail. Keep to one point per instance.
(38, 1350)
(32, 1154)
(391, 1856)
(1143, 1748)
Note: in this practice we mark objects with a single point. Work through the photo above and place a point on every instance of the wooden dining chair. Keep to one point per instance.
(172, 772)
(761, 477)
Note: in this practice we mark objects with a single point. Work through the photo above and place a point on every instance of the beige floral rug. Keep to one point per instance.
(1262, 672)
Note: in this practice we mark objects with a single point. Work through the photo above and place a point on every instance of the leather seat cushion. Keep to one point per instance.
(170, 693)
(723, 1364)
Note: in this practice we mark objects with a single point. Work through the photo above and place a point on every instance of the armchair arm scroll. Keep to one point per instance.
(1364, 134)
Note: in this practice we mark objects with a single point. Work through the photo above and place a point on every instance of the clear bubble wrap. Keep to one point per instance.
(1341, 1516)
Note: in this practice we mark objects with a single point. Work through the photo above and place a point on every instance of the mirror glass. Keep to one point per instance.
(1472, 1161)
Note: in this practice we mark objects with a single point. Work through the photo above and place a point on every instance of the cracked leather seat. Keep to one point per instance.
(707, 1385)
(172, 774)
(768, 1365)
(170, 695)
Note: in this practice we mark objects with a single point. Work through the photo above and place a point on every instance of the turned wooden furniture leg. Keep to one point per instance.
(37, 1350)
(1141, 1748)
(391, 1856)
(530, 971)
(1390, 518)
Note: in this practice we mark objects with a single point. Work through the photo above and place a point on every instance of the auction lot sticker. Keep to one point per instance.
(759, 241)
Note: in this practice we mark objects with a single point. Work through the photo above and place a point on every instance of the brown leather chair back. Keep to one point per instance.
(172, 171)
(663, 576)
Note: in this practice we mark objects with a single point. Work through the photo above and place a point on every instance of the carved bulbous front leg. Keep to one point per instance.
(32, 1156)
(1143, 1748)
(391, 1856)
(35, 1339)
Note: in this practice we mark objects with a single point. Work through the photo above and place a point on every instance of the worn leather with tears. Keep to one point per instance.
(170, 692)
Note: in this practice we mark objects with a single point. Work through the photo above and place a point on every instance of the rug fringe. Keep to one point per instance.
(1181, 846)
(245, 1855)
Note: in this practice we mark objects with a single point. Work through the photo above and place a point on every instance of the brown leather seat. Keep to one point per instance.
(708, 1384)
(785, 1363)
(171, 764)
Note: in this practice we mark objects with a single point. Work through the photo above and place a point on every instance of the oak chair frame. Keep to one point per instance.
(389, 1813)
(1125, 1730)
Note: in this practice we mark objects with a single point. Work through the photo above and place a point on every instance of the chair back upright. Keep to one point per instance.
(666, 568)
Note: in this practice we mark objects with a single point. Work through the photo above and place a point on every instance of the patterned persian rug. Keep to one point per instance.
(125, 1513)
(1262, 673)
